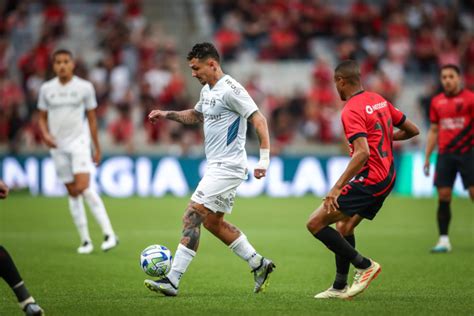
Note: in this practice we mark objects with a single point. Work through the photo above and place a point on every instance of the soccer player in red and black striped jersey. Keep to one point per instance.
(359, 193)
(452, 119)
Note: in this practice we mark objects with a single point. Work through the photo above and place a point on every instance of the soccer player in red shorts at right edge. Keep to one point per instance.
(359, 193)
(452, 118)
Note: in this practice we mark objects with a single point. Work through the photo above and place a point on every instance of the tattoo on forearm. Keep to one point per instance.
(187, 117)
(192, 221)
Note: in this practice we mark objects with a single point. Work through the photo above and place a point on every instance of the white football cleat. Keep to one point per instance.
(163, 286)
(333, 293)
(442, 247)
(362, 278)
(110, 241)
(86, 248)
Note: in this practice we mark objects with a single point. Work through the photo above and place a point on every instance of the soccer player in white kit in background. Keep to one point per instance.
(224, 107)
(62, 103)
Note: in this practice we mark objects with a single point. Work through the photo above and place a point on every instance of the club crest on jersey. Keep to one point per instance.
(213, 103)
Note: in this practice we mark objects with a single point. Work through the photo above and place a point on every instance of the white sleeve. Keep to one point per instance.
(89, 98)
(42, 103)
(198, 106)
(241, 102)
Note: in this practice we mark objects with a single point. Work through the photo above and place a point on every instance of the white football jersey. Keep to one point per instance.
(226, 108)
(66, 105)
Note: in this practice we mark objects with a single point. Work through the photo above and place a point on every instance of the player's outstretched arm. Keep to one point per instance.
(407, 130)
(43, 126)
(186, 117)
(92, 118)
(260, 124)
(430, 146)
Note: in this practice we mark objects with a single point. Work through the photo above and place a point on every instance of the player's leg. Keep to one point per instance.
(366, 269)
(78, 213)
(339, 287)
(81, 164)
(445, 174)
(63, 164)
(193, 218)
(9, 272)
(346, 228)
(239, 244)
(443, 217)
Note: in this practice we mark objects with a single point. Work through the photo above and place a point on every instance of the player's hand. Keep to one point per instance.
(155, 115)
(330, 201)
(49, 140)
(259, 173)
(3, 190)
(262, 165)
(426, 168)
(97, 157)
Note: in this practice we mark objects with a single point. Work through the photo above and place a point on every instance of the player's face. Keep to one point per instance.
(202, 70)
(450, 80)
(340, 83)
(63, 66)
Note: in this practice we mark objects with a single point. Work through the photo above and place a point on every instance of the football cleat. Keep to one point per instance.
(33, 309)
(85, 248)
(261, 274)
(163, 286)
(362, 279)
(441, 248)
(109, 242)
(333, 293)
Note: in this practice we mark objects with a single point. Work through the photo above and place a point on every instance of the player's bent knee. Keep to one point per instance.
(313, 226)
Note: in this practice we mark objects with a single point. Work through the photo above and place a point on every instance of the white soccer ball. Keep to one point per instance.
(155, 260)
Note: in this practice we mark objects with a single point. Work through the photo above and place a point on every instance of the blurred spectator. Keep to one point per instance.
(121, 130)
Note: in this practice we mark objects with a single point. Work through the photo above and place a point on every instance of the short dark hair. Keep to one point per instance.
(451, 66)
(349, 70)
(62, 51)
(204, 51)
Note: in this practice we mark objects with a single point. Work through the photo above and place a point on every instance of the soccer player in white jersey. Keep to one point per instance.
(224, 107)
(63, 102)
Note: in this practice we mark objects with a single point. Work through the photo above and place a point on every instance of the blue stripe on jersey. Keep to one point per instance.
(232, 131)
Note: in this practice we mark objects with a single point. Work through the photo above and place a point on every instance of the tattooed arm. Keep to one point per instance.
(186, 117)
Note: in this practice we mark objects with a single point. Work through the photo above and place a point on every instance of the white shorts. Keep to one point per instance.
(69, 163)
(217, 190)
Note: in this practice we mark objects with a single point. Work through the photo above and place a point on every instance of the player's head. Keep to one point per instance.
(347, 78)
(204, 61)
(63, 63)
(450, 76)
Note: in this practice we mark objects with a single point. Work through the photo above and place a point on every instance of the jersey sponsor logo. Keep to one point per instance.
(452, 123)
(233, 86)
(371, 108)
(212, 117)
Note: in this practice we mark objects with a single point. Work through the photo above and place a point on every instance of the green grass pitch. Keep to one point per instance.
(40, 235)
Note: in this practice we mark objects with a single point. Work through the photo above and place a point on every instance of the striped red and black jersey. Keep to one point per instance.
(367, 114)
(455, 118)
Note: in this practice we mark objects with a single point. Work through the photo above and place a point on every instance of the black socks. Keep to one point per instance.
(444, 217)
(337, 244)
(9, 272)
(342, 267)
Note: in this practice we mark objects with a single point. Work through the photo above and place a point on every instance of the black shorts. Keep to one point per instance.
(448, 165)
(362, 200)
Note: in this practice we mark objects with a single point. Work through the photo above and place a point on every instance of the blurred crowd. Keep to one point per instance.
(137, 65)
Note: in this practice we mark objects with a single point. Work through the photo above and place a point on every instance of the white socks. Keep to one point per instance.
(242, 248)
(444, 239)
(98, 210)
(29, 300)
(181, 261)
(79, 217)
